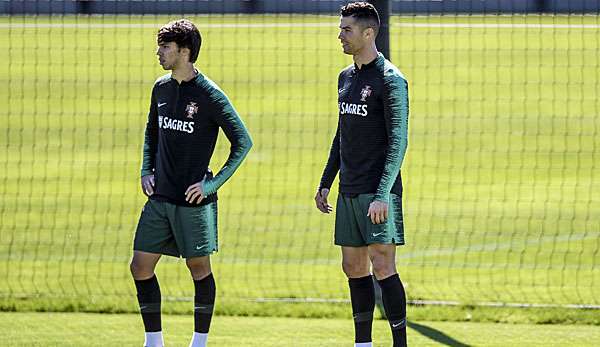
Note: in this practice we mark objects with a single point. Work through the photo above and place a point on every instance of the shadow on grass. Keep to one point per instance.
(436, 335)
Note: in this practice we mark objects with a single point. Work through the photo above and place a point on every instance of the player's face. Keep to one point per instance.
(351, 35)
(169, 55)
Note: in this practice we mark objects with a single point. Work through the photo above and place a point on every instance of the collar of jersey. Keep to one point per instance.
(370, 64)
(198, 77)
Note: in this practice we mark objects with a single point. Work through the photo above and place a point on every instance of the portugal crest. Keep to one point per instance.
(191, 109)
(365, 93)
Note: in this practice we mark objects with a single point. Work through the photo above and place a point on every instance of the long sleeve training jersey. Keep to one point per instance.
(181, 133)
(372, 133)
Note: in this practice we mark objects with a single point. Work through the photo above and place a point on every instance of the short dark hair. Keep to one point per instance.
(363, 12)
(184, 33)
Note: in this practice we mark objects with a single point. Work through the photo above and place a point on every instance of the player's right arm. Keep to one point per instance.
(150, 147)
(331, 169)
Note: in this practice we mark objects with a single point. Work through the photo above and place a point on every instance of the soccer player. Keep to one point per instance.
(180, 217)
(368, 150)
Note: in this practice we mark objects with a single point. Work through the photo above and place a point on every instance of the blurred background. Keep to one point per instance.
(501, 200)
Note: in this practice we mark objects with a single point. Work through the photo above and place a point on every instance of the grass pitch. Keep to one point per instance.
(77, 329)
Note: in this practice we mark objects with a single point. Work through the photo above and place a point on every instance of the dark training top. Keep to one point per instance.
(181, 133)
(372, 134)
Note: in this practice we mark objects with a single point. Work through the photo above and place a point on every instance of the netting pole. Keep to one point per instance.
(84, 7)
(250, 6)
(384, 8)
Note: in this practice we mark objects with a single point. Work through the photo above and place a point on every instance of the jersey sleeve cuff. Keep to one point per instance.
(208, 188)
(321, 186)
(383, 197)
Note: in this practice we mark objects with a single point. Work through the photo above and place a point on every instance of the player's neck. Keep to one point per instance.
(186, 72)
(365, 56)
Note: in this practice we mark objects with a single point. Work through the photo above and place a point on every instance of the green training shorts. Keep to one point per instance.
(353, 228)
(177, 231)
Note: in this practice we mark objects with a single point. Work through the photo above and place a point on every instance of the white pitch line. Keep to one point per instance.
(297, 25)
(491, 247)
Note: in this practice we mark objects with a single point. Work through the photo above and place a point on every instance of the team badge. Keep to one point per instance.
(365, 93)
(191, 109)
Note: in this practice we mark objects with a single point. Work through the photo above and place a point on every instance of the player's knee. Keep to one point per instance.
(354, 269)
(138, 271)
(383, 267)
(198, 269)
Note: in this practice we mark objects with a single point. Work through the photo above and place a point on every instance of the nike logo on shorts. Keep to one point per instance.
(160, 104)
(395, 325)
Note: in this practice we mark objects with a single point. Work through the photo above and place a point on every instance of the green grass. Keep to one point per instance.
(76, 329)
(500, 200)
(227, 306)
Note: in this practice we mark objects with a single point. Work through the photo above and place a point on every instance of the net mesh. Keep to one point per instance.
(500, 203)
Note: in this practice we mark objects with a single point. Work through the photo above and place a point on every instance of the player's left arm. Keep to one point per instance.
(395, 101)
(228, 119)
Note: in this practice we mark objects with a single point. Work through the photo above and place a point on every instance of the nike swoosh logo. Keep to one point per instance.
(198, 247)
(160, 104)
(396, 325)
(375, 235)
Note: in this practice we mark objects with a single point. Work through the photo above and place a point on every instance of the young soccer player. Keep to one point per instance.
(368, 150)
(180, 217)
